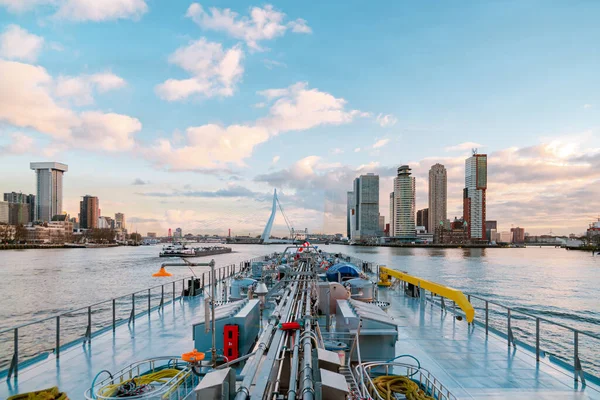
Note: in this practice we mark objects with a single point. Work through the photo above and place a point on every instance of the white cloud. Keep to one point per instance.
(211, 146)
(263, 23)
(587, 106)
(367, 167)
(26, 101)
(275, 159)
(215, 72)
(18, 44)
(104, 10)
(337, 150)
(19, 144)
(464, 146)
(300, 108)
(81, 88)
(385, 120)
(83, 10)
(380, 143)
(356, 150)
(270, 64)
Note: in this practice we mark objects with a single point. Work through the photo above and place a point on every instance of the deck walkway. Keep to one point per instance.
(165, 333)
(471, 365)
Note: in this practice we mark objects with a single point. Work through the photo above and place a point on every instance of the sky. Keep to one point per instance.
(186, 114)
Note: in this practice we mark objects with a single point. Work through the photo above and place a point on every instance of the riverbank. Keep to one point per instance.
(56, 246)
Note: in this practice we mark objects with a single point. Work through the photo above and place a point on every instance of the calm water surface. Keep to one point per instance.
(560, 285)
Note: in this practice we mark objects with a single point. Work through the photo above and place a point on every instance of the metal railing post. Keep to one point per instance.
(57, 336)
(510, 337)
(487, 317)
(173, 291)
(537, 339)
(132, 315)
(149, 302)
(576, 362)
(162, 295)
(114, 312)
(14, 363)
(88, 331)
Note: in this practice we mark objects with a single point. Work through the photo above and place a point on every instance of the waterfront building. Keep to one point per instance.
(489, 226)
(392, 215)
(349, 208)
(593, 232)
(518, 235)
(404, 204)
(438, 196)
(20, 198)
(178, 233)
(457, 234)
(106, 223)
(119, 221)
(4, 212)
(423, 236)
(366, 207)
(49, 189)
(89, 212)
(493, 236)
(474, 196)
(18, 214)
(505, 237)
(423, 219)
(381, 225)
(152, 235)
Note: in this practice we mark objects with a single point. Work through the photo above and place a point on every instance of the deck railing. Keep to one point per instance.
(502, 320)
(39, 339)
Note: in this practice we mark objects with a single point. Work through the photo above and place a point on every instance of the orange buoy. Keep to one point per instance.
(162, 272)
(193, 356)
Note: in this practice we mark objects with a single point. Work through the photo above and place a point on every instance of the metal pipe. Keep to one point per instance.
(243, 392)
(237, 360)
(295, 357)
(308, 390)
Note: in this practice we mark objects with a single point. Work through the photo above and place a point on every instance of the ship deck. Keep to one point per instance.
(470, 365)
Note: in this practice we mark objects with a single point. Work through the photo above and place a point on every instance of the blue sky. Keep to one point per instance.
(195, 104)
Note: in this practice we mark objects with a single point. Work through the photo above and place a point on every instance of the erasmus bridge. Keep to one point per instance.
(265, 237)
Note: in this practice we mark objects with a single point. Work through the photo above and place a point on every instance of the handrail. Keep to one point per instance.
(450, 293)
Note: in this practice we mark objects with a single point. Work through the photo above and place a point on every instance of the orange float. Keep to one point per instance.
(193, 356)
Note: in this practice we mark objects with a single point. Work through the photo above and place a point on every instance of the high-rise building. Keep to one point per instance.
(49, 189)
(381, 225)
(438, 197)
(474, 202)
(119, 221)
(489, 227)
(392, 214)
(423, 218)
(18, 214)
(178, 233)
(89, 212)
(26, 199)
(366, 206)
(404, 204)
(518, 235)
(350, 207)
(4, 212)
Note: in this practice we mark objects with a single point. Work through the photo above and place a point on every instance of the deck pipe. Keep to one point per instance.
(295, 357)
(308, 390)
(243, 392)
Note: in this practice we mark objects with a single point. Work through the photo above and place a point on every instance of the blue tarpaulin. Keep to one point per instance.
(345, 270)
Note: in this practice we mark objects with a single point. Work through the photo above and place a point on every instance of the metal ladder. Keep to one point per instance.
(348, 375)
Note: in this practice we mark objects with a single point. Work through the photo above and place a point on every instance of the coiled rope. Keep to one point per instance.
(388, 385)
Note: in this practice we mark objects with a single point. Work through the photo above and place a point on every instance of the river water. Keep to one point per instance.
(560, 285)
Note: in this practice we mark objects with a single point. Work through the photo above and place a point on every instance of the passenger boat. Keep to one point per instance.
(182, 250)
(298, 324)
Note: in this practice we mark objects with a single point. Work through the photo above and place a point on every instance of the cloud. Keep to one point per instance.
(356, 150)
(464, 146)
(83, 10)
(587, 106)
(380, 143)
(18, 44)
(139, 182)
(263, 23)
(26, 101)
(81, 88)
(275, 159)
(19, 144)
(337, 150)
(140, 220)
(215, 72)
(385, 120)
(215, 147)
(105, 10)
(270, 64)
(233, 191)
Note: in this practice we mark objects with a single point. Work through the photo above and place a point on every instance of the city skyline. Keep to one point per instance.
(173, 142)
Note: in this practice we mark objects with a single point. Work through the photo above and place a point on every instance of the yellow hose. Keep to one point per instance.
(388, 385)
(158, 377)
(46, 394)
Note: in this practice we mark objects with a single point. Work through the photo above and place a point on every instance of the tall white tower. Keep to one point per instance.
(49, 188)
(438, 196)
(404, 203)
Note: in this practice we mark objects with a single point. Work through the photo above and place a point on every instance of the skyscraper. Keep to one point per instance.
(49, 188)
(350, 206)
(423, 218)
(438, 196)
(392, 214)
(89, 212)
(22, 199)
(366, 206)
(404, 203)
(119, 221)
(474, 203)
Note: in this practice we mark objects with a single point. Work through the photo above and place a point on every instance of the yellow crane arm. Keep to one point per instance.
(452, 294)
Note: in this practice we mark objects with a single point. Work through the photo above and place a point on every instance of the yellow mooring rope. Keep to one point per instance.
(388, 385)
(138, 384)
